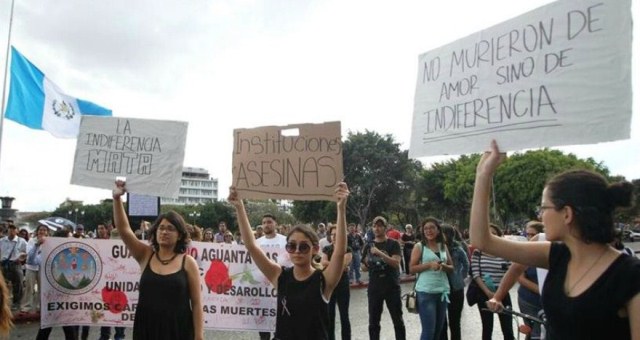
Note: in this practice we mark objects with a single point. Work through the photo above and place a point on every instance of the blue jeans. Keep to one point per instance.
(354, 267)
(433, 310)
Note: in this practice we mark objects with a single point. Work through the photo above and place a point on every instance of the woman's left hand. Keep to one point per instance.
(342, 193)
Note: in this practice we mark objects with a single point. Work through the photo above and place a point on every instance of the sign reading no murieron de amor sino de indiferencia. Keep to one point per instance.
(558, 75)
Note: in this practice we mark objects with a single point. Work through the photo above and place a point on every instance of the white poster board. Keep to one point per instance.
(96, 282)
(149, 153)
(558, 75)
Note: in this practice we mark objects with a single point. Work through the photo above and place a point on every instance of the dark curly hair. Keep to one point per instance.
(178, 222)
(592, 200)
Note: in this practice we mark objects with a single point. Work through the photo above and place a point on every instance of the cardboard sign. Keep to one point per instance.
(300, 162)
(149, 153)
(558, 75)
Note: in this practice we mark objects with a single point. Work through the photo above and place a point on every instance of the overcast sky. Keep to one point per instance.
(231, 64)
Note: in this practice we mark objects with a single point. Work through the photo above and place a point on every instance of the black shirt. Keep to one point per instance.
(302, 311)
(594, 313)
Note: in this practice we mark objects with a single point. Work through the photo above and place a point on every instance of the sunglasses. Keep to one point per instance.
(301, 247)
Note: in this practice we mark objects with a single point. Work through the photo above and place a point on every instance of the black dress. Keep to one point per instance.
(164, 306)
(302, 311)
(594, 313)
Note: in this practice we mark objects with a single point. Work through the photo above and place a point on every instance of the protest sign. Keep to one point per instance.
(96, 282)
(149, 153)
(558, 75)
(300, 161)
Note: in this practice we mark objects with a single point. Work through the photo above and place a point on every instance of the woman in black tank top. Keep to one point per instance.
(169, 305)
(591, 291)
(304, 290)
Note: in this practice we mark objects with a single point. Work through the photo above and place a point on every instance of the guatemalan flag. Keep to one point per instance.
(36, 102)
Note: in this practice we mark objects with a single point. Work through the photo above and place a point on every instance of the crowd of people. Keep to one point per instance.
(591, 283)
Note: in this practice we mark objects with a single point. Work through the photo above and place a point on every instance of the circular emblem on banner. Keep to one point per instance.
(73, 268)
(62, 109)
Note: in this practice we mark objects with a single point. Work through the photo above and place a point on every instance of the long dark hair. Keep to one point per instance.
(592, 200)
(440, 238)
(178, 222)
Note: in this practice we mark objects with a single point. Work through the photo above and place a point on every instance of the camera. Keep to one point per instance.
(374, 262)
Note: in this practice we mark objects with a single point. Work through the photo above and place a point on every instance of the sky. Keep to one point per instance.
(222, 65)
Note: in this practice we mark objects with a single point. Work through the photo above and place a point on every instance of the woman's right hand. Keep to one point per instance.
(495, 305)
(119, 190)
(233, 197)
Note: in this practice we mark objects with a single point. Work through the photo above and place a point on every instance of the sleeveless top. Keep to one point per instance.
(594, 313)
(433, 281)
(164, 306)
(302, 311)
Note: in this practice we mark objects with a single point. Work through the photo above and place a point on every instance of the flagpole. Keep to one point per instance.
(6, 71)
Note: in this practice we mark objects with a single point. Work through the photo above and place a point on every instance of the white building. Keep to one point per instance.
(196, 187)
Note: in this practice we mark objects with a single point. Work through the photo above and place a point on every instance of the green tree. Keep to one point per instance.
(519, 181)
(380, 176)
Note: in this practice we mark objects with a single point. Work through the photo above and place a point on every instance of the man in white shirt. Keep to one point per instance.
(13, 251)
(272, 239)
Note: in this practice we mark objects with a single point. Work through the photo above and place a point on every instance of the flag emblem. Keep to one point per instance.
(63, 110)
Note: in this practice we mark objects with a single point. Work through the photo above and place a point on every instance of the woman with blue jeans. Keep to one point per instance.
(430, 259)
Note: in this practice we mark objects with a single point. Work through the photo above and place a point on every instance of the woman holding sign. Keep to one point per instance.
(303, 290)
(592, 291)
(169, 304)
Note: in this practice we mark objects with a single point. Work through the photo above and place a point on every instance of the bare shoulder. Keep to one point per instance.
(190, 262)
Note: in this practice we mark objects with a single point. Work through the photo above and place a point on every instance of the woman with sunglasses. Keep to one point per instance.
(303, 290)
(591, 291)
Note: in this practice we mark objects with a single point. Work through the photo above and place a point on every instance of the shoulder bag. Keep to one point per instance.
(411, 298)
(474, 293)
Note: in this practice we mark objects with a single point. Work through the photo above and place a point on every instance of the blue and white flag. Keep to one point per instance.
(36, 102)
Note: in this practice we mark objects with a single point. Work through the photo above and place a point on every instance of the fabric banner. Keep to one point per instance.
(96, 282)
(558, 75)
(149, 153)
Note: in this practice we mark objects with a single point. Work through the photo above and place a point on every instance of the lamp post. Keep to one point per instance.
(194, 216)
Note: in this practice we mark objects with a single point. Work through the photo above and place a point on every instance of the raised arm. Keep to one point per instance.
(334, 270)
(528, 253)
(269, 269)
(139, 249)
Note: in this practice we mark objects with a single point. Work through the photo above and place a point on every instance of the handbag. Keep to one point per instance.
(474, 293)
(411, 298)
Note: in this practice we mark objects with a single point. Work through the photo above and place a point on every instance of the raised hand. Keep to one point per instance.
(490, 160)
(233, 197)
(342, 194)
(119, 190)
